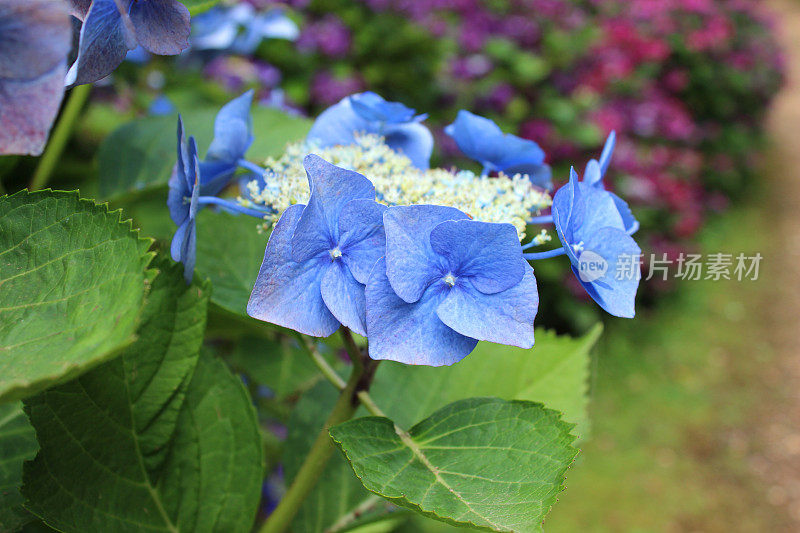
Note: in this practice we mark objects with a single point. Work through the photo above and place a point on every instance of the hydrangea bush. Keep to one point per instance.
(307, 326)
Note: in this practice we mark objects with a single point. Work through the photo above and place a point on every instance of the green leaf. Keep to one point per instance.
(229, 252)
(159, 439)
(482, 462)
(554, 372)
(140, 155)
(17, 444)
(72, 280)
(198, 6)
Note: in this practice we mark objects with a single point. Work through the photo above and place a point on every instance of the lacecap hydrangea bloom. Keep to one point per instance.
(183, 203)
(398, 182)
(35, 39)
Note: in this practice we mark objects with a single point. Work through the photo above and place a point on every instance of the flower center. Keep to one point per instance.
(577, 248)
(449, 279)
(335, 253)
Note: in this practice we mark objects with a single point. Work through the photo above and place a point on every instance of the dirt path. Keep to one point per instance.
(776, 459)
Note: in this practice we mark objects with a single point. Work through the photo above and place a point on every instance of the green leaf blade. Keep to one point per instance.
(17, 444)
(155, 440)
(72, 276)
(481, 462)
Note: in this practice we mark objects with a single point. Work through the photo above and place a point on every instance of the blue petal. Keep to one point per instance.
(540, 175)
(482, 140)
(629, 222)
(162, 26)
(288, 293)
(410, 333)
(472, 133)
(487, 253)
(35, 39)
(214, 30)
(616, 296)
(344, 297)
(233, 130)
(413, 140)
(362, 239)
(106, 37)
(233, 135)
(567, 214)
(593, 175)
(505, 317)
(276, 25)
(411, 263)
(331, 188)
(337, 126)
(374, 108)
(608, 151)
(27, 111)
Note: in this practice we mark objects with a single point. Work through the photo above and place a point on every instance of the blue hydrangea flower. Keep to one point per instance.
(183, 203)
(482, 140)
(319, 255)
(240, 29)
(233, 136)
(369, 113)
(602, 254)
(35, 40)
(446, 283)
(594, 174)
(112, 27)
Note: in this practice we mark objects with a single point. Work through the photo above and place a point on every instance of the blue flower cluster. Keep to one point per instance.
(424, 283)
(35, 44)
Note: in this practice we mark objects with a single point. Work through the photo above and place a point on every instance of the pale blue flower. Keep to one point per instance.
(319, 255)
(446, 283)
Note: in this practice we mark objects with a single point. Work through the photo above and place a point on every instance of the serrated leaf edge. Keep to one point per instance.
(403, 502)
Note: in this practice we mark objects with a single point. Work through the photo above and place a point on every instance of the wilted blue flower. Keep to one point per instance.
(112, 27)
(319, 255)
(482, 140)
(240, 29)
(602, 254)
(594, 174)
(369, 113)
(183, 203)
(233, 136)
(446, 283)
(35, 39)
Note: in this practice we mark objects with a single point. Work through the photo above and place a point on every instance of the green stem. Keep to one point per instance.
(60, 137)
(326, 369)
(322, 449)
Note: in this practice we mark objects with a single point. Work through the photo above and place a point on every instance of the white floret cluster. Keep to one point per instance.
(511, 199)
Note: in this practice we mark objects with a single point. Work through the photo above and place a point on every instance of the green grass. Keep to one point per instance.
(672, 403)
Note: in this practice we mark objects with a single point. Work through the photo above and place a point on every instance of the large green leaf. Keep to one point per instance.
(483, 462)
(555, 372)
(140, 155)
(17, 444)
(72, 280)
(159, 439)
(229, 251)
